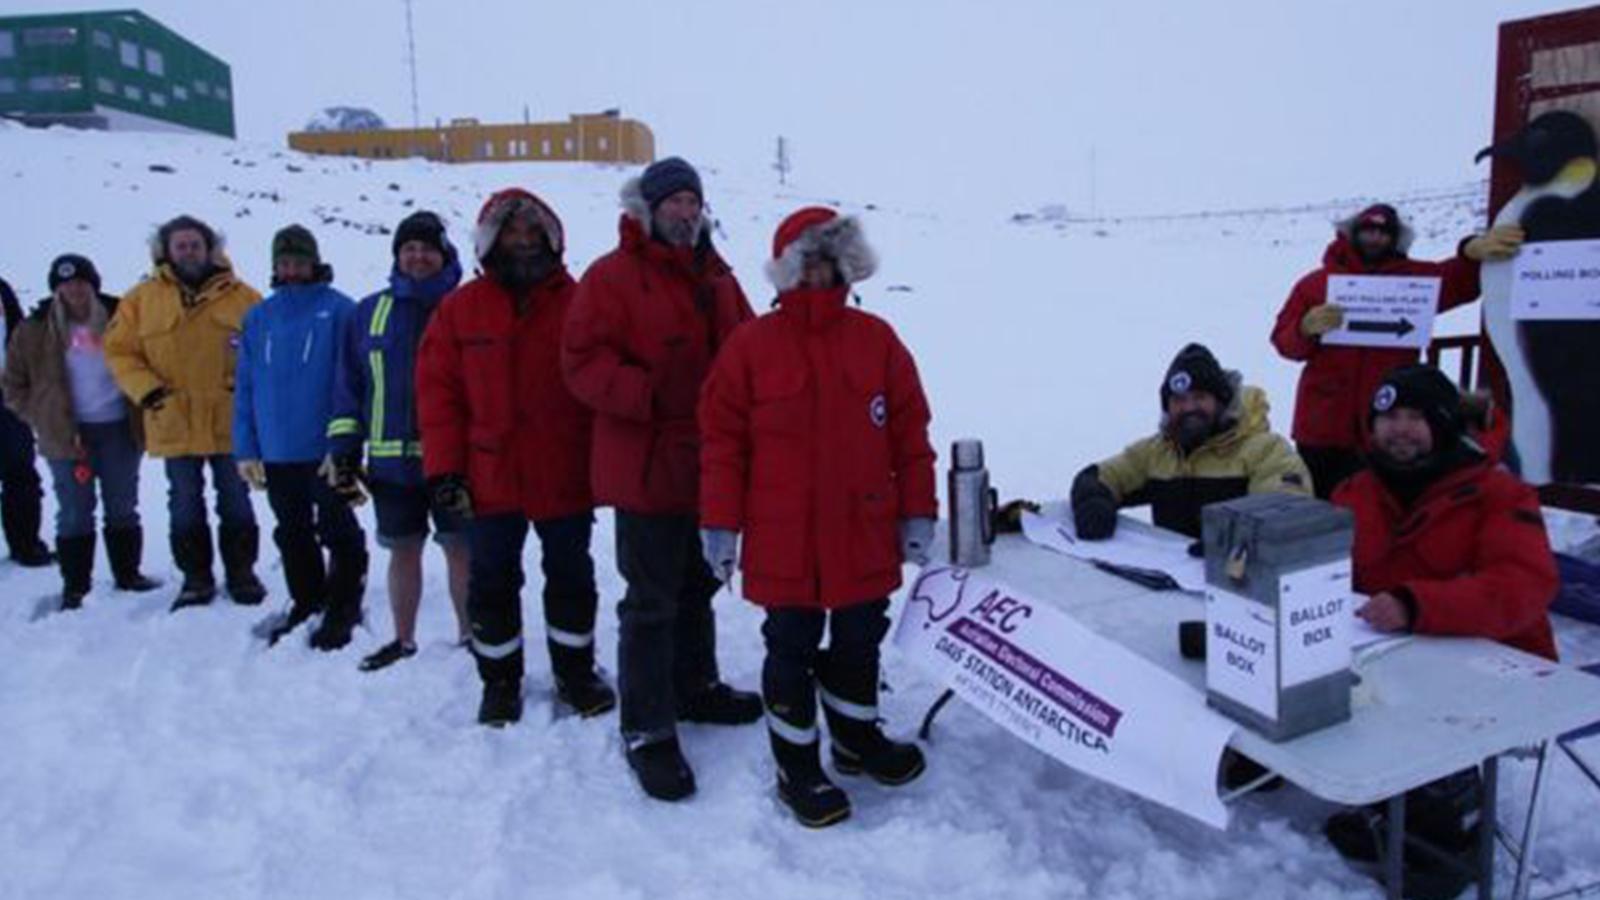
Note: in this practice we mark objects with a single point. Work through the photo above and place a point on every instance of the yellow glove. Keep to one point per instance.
(1499, 242)
(1319, 320)
(253, 473)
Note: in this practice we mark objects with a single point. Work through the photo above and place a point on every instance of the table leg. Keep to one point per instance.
(1530, 831)
(1394, 856)
(933, 713)
(1488, 821)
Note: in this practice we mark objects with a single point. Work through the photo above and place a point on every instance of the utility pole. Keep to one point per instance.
(1094, 185)
(411, 58)
(782, 162)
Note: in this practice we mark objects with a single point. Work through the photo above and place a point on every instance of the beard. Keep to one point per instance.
(192, 273)
(1408, 474)
(1372, 254)
(1191, 429)
(521, 269)
(679, 232)
(1401, 454)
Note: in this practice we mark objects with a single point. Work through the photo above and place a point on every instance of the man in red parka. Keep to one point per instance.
(648, 320)
(1446, 543)
(817, 456)
(505, 443)
(1337, 381)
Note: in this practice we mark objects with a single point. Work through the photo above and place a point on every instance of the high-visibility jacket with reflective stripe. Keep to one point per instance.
(374, 399)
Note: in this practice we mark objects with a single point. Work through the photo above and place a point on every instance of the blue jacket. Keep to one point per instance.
(284, 385)
(375, 391)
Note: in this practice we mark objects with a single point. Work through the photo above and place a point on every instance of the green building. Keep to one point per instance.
(119, 70)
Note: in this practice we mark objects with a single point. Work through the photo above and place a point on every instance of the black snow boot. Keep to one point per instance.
(20, 516)
(306, 576)
(77, 562)
(1442, 823)
(803, 787)
(720, 704)
(791, 712)
(125, 547)
(578, 683)
(662, 771)
(1439, 873)
(240, 545)
(859, 746)
(33, 555)
(868, 751)
(192, 551)
(501, 704)
(347, 582)
(277, 626)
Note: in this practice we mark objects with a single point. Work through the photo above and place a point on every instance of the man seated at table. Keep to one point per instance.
(1214, 445)
(1446, 543)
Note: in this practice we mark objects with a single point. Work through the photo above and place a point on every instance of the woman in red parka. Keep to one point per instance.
(815, 453)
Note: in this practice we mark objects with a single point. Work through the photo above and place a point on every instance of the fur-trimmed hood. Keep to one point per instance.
(1345, 228)
(501, 206)
(822, 231)
(633, 202)
(158, 247)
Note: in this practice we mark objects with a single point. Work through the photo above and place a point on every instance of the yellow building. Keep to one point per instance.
(600, 137)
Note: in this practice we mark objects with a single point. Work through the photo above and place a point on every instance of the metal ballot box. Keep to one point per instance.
(1278, 612)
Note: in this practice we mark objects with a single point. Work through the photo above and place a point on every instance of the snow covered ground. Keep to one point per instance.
(146, 755)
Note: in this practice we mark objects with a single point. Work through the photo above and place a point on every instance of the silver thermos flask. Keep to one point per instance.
(971, 505)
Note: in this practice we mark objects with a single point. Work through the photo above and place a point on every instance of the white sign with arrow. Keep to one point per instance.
(1384, 310)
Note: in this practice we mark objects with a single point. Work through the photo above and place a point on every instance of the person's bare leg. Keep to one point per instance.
(405, 590)
(457, 560)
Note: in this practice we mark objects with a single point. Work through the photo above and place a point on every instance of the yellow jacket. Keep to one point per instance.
(1247, 458)
(164, 335)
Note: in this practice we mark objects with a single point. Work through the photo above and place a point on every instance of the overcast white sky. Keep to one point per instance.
(1183, 104)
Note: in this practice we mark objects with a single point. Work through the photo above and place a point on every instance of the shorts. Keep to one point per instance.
(403, 512)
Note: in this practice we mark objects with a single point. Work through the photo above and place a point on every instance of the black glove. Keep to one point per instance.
(1008, 518)
(1094, 507)
(449, 494)
(156, 398)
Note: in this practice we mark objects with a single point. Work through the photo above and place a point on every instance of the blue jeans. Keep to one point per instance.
(113, 463)
(186, 485)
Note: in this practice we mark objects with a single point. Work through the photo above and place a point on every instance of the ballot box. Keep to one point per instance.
(1278, 612)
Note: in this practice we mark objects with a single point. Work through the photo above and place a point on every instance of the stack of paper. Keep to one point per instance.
(1144, 557)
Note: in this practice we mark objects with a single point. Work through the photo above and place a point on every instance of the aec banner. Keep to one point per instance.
(1082, 698)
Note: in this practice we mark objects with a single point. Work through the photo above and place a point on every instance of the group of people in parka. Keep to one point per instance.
(792, 447)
